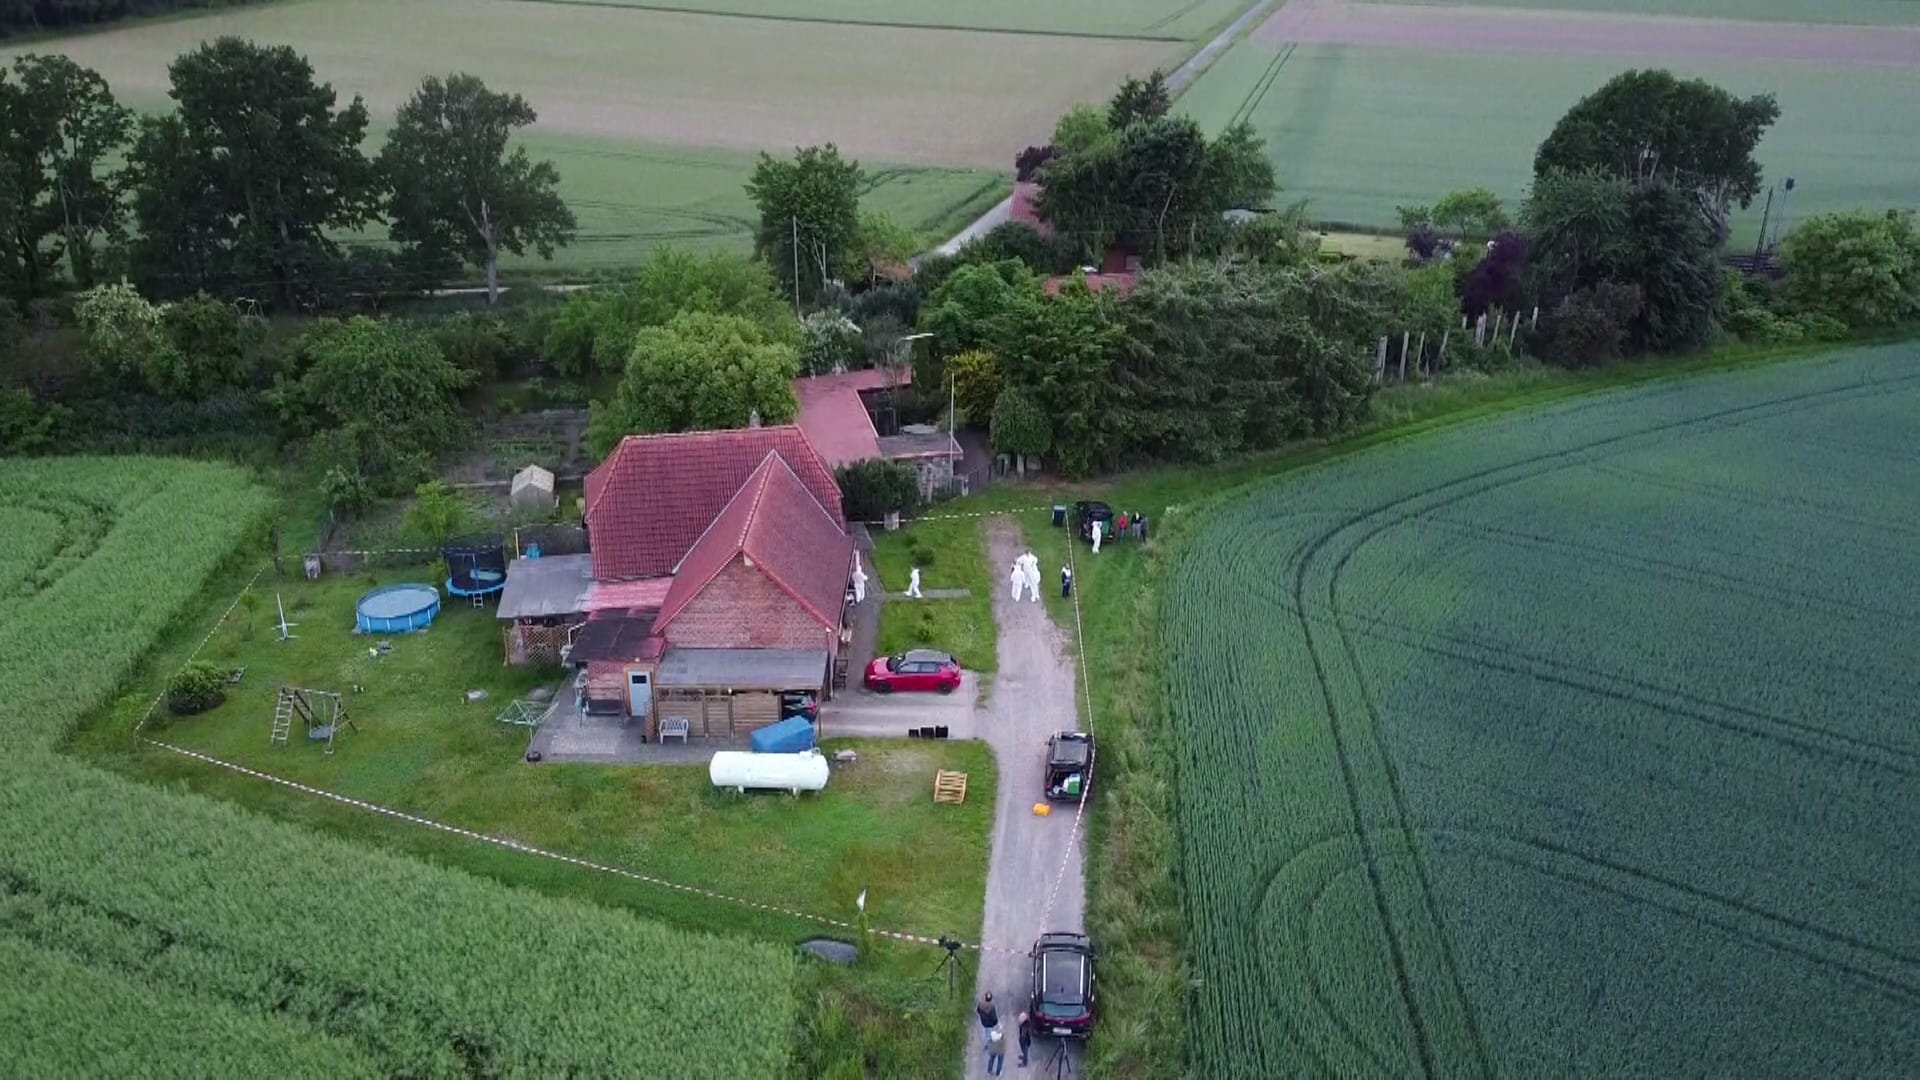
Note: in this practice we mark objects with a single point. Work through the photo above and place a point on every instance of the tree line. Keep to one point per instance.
(253, 185)
(27, 16)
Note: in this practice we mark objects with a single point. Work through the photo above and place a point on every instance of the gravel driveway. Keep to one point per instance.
(1033, 697)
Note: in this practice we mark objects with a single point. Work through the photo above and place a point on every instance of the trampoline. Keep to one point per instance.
(397, 609)
(476, 565)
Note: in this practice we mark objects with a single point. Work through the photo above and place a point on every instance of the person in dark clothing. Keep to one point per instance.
(1026, 1037)
(989, 1016)
(1140, 524)
(1066, 582)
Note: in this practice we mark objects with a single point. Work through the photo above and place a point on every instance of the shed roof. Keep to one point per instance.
(624, 639)
(918, 444)
(656, 494)
(835, 419)
(784, 532)
(533, 476)
(545, 587)
(743, 669)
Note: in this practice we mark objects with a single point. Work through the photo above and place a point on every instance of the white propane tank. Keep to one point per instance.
(792, 773)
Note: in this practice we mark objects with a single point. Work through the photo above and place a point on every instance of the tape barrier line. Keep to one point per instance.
(556, 856)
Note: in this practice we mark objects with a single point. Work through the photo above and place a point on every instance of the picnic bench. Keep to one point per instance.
(674, 727)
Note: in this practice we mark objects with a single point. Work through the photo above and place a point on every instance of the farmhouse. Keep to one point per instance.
(716, 583)
(849, 417)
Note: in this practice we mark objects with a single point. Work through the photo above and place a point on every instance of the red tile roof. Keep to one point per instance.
(655, 494)
(834, 417)
(1025, 209)
(624, 595)
(782, 530)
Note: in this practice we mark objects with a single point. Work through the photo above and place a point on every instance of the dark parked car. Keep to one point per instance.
(1069, 764)
(799, 703)
(918, 669)
(1086, 513)
(1062, 1002)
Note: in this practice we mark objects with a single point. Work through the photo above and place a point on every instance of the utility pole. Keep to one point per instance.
(796, 265)
(1761, 242)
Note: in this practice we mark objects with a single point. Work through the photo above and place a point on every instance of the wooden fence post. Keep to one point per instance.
(1422, 354)
(1404, 335)
(1380, 362)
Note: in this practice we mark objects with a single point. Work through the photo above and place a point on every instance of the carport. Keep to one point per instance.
(730, 693)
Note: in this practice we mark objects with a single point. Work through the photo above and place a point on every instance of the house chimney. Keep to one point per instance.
(753, 419)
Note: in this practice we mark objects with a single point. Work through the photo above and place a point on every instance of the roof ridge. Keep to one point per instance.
(765, 476)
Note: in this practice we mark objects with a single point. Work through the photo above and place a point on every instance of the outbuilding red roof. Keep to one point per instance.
(656, 494)
(834, 417)
(784, 533)
(1025, 208)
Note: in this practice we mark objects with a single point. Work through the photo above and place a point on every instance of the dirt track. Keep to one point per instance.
(1505, 30)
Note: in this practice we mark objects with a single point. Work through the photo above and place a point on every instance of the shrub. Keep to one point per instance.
(872, 489)
(1591, 325)
(976, 384)
(482, 345)
(196, 688)
(26, 425)
(1019, 426)
(830, 342)
(1860, 268)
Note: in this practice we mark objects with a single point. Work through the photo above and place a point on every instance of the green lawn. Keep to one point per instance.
(419, 746)
(1846, 12)
(1156, 19)
(951, 554)
(1359, 131)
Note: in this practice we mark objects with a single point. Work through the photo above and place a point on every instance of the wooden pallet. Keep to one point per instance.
(949, 787)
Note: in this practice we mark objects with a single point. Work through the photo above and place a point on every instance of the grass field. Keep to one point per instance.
(1172, 20)
(148, 930)
(883, 94)
(1842, 12)
(1567, 742)
(1357, 131)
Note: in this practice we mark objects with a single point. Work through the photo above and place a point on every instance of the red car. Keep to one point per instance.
(920, 669)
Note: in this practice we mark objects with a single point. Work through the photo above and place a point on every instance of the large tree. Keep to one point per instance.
(243, 187)
(1647, 125)
(809, 215)
(59, 129)
(699, 371)
(381, 393)
(1060, 350)
(458, 190)
(1157, 188)
(1139, 101)
(1587, 229)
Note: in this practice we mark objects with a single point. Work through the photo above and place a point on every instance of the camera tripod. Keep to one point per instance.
(1060, 1065)
(950, 963)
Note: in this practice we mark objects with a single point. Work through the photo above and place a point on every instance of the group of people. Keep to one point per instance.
(1025, 576)
(996, 1037)
(1125, 526)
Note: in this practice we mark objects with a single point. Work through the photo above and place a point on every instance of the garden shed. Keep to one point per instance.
(532, 490)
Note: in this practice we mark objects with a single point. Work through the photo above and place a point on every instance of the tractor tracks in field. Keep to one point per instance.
(1369, 524)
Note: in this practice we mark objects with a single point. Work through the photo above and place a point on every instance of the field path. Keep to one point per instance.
(1033, 697)
(1567, 33)
(1182, 76)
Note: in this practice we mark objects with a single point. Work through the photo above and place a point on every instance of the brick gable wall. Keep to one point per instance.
(741, 609)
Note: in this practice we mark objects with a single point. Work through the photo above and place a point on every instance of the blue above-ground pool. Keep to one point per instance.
(396, 609)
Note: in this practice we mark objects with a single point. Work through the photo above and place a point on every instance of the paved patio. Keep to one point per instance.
(566, 735)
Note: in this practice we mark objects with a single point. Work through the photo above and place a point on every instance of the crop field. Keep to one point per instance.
(654, 116)
(1368, 107)
(1843, 12)
(1158, 20)
(1572, 742)
(145, 930)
